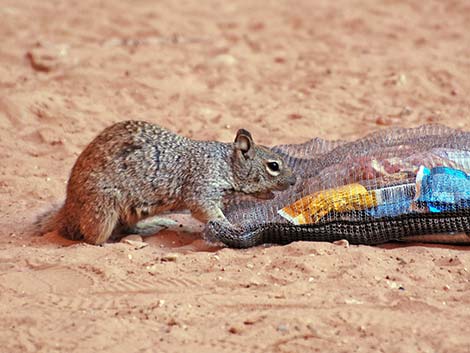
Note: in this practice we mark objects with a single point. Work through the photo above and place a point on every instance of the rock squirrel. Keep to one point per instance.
(133, 170)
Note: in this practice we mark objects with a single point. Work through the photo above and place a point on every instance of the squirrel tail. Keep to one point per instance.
(47, 221)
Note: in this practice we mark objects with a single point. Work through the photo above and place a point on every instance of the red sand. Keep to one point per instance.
(287, 71)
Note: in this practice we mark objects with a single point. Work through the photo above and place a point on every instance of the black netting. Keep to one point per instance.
(391, 185)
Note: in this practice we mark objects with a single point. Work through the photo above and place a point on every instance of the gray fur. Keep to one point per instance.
(134, 170)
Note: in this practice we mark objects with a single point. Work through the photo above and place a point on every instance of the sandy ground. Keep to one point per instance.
(287, 71)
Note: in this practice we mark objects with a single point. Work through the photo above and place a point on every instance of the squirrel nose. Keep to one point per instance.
(292, 180)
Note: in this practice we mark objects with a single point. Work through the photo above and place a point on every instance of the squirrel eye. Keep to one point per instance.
(273, 168)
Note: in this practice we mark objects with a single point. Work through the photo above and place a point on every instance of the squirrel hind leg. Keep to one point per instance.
(97, 225)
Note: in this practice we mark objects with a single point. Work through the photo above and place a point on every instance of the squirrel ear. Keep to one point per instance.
(244, 143)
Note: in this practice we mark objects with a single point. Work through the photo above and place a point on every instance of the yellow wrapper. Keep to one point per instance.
(311, 208)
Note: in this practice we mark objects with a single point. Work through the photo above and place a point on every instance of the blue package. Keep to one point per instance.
(442, 188)
(391, 209)
(393, 200)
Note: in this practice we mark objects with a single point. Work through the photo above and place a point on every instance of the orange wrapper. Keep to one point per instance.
(311, 208)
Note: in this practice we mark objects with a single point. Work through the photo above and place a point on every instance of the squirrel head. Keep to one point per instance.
(258, 170)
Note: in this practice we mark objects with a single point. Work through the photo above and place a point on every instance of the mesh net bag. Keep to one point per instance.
(394, 185)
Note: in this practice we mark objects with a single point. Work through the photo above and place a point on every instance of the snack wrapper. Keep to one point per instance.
(311, 208)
